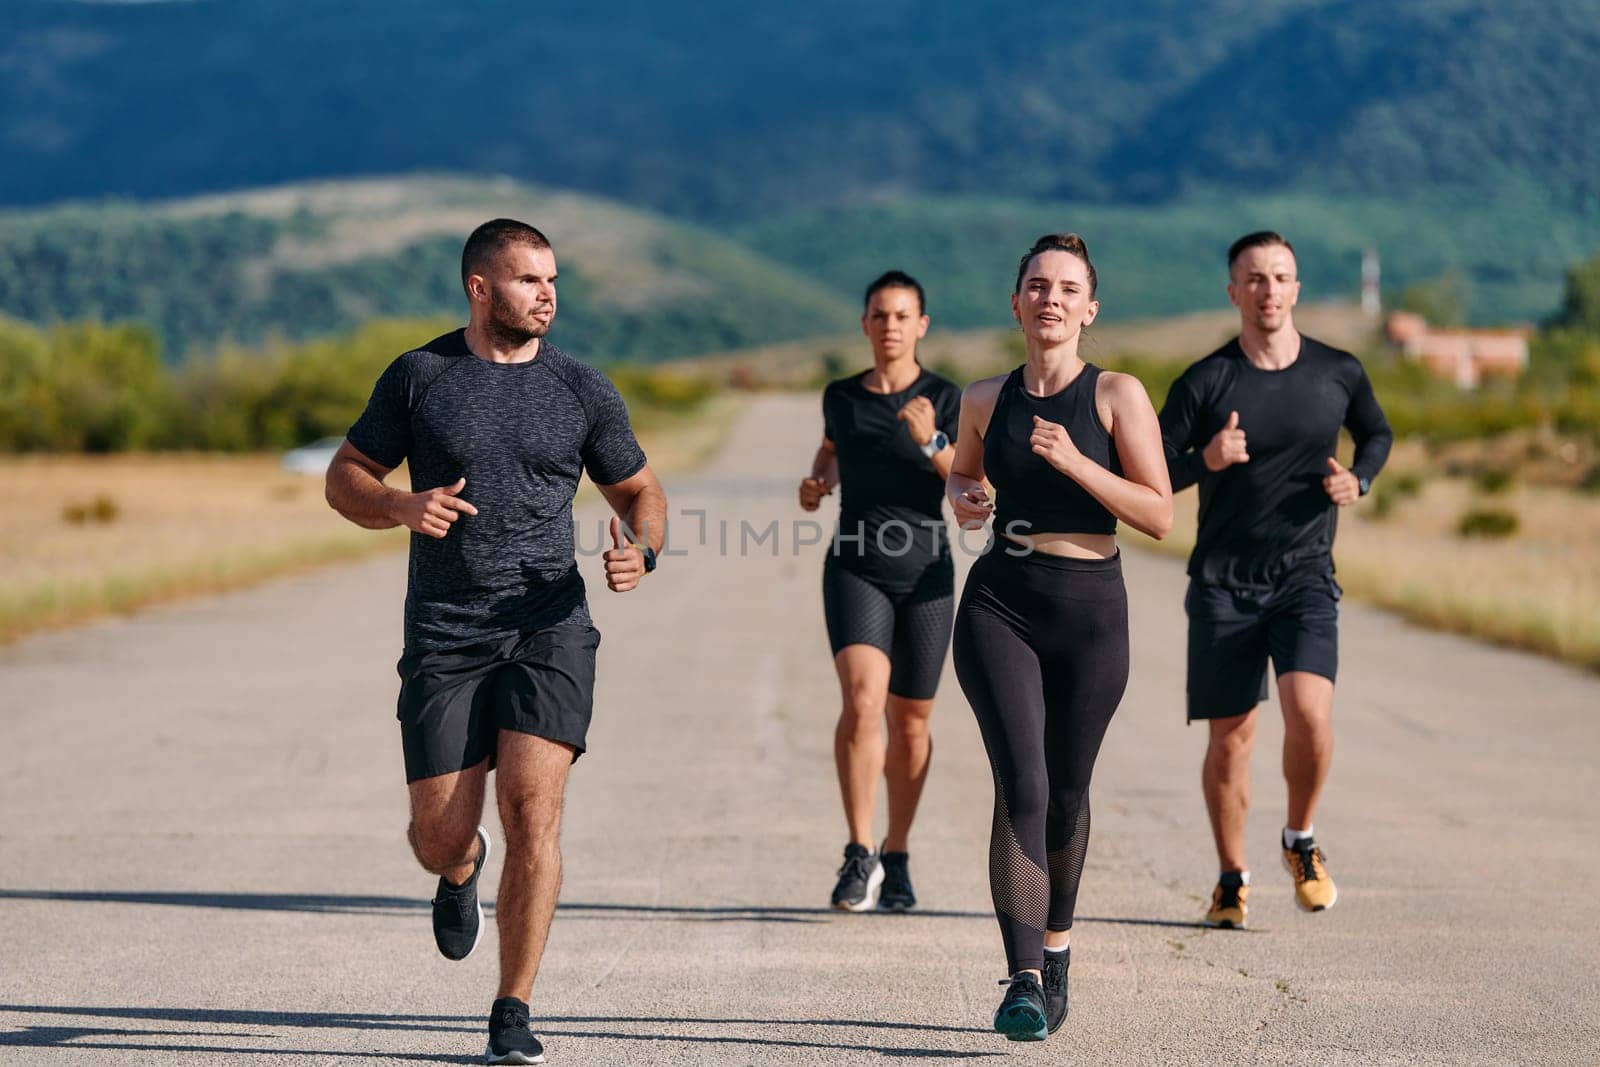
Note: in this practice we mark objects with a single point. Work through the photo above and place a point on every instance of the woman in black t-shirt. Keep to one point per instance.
(1041, 637)
(888, 582)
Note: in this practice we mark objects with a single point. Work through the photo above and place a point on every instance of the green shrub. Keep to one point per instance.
(1384, 497)
(102, 509)
(1490, 523)
(1407, 484)
(1493, 480)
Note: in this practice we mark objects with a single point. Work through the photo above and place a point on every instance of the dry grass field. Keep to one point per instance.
(98, 535)
(1538, 589)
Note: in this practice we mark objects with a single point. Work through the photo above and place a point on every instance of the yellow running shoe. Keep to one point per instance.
(1228, 907)
(1313, 889)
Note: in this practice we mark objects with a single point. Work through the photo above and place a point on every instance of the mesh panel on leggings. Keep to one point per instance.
(1019, 887)
(1066, 871)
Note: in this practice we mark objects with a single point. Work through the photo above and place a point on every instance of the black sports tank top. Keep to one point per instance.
(1030, 492)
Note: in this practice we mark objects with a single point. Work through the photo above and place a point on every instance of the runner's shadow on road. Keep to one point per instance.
(350, 904)
(1193, 924)
(379, 905)
(90, 1036)
(747, 913)
(114, 1038)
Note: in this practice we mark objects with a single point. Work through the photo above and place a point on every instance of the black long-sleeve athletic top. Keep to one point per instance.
(1270, 519)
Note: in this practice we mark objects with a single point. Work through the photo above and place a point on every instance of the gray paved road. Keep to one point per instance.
(201, 856)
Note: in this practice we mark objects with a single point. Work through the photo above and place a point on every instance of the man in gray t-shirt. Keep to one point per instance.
(498, 669)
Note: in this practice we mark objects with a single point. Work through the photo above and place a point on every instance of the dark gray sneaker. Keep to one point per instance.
(859, 880)
(457, 915)
(510, 1040)
(1055, 987)
(896, 894)
(1020, 1015)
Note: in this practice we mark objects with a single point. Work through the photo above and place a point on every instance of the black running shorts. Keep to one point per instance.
(454, 703)
(912, 629)
(1233, 633)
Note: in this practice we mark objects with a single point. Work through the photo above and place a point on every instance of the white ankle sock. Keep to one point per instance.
(1290, 836)
(1064, 948)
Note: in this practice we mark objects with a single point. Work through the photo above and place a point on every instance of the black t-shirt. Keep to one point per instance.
(1270, 520)
(891, 527)
(521, 434)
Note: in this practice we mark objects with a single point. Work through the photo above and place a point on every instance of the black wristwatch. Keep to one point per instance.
(649, 557)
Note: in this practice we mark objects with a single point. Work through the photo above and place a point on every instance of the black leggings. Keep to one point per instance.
(1041, 650)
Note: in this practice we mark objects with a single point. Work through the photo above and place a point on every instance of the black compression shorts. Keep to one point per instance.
(912, 629)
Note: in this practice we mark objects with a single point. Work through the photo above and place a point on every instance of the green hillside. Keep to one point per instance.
(310, 260)
(1511, 254)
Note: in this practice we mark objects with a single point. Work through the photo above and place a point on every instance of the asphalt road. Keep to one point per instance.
(202, 855)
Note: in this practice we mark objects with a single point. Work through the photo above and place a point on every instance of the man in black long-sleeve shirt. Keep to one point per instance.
(1255, 425)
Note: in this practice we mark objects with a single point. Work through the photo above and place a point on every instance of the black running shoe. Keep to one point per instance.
(510, 1040)
(1055, 987)
(457, 915)
(896, 894)
(859, 880)
(1021, 1015)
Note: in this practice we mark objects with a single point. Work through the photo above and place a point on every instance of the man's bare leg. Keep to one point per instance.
(445, 812)
(530, 781)
(858, 747)
(906, 766)
(1307, 741)
(1225, 779)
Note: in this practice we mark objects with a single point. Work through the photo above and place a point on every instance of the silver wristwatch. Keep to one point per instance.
(937, 444)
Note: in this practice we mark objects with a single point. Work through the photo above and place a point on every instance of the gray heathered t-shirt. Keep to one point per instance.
(521, 434)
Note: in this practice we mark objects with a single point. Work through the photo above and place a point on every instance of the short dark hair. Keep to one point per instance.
(484, 243)
(896, 279)
(1259, 239)
(1070, 243)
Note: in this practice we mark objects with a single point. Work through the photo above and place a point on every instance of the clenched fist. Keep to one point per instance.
(1052, 441)
(1228, 446)
(1341, 485)
(919, 419)
(433, 511)
(812, 490)
(972, 508)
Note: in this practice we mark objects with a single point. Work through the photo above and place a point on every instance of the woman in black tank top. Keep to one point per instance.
(1041, 636)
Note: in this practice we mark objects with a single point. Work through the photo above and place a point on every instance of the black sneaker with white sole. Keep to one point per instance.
(510, 1040)
(896, 894)
(1055, 987)
(457, 915)
(860, 879)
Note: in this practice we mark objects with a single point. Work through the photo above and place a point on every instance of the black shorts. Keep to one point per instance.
(912, 629)
(1233, 633)
(454, 703)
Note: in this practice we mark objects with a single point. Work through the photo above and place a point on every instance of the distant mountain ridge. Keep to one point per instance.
(730, 111)
(313, 259)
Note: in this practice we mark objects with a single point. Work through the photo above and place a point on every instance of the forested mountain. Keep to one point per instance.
(313, 259)
(725, 110)
(1459, 137)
